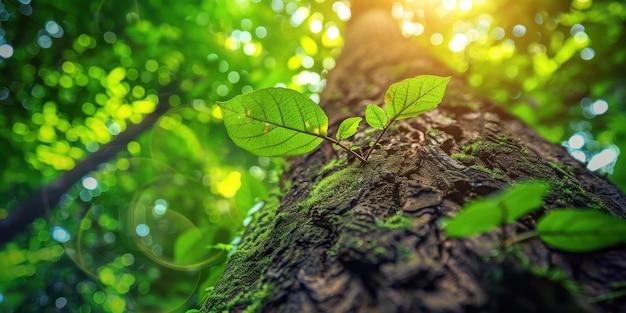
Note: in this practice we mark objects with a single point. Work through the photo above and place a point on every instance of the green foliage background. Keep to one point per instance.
(150, 230)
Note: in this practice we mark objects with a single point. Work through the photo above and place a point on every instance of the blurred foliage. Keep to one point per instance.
(151, 229)
(558, 65)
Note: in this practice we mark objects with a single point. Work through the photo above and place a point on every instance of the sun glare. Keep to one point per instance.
(460, 5)
(453, 13)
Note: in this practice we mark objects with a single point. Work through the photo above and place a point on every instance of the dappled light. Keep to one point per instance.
(525, 47)
(149, 224)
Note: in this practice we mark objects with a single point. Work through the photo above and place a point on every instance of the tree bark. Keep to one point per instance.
(353, 237)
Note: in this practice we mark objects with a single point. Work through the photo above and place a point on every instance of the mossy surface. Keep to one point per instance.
(335, 188)
(433, 132)
(396, 221)
(466, 159)
(376, 244)
(495, 172)
(241, 285)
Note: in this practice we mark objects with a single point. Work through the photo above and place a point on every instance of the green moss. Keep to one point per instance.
(397, 221)
(371, 243)
(566, 191)
(564, 169)
(242, 285)
(503, 137)
(335, 188)
(258, 298)
(481, 148)
(495, 172)
(464, 158)
(433, 132)
(470, 148)
(334, 250)
(242, 282)
(554, 274)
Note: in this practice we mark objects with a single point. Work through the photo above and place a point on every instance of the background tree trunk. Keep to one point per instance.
(40, 202)
(349, 237)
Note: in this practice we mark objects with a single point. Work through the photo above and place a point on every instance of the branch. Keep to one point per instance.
(40, 202)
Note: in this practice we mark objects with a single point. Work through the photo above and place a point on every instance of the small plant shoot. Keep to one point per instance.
(284, 122)
(487, 213)
(572, 230)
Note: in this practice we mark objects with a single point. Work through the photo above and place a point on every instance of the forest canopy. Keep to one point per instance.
(152, 221)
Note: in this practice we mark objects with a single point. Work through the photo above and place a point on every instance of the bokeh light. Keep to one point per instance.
(74, 85)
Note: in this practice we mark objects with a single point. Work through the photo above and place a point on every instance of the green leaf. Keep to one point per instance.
(477, 217)
(375, 116)
(274, 122)
(414, 96)
(522, 199)
(348, 127)
(486, 213)
(578, 230)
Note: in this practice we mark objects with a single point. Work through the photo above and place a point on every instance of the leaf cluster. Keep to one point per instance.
(569, 229)
(284, 122)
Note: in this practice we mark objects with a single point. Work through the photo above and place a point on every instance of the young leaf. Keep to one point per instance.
(477, 217)
(375, 116)
(274, 122)
(484, 214)
(348, 127)
(414, 96)
(522, 199)
(578, 230)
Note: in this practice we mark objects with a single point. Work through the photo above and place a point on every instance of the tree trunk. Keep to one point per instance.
(353, 237)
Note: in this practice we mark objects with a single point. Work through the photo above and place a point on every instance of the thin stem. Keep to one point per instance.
(367, 155)
(358, 156)
(521, 237)
(503, 224)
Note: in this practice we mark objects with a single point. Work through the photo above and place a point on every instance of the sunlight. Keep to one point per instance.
(60, 234)
(458, 43)
(332, 33)
(465, 5)
(90, 183)
(461, 5)
(604, 160)
(6, 51)
(577, 141)
(342, 9)
(599, 107)
(412, 29)
(436, 39)
(168, 207)
(587, 54)
(316, 26)
(448, 4)
(229, 186)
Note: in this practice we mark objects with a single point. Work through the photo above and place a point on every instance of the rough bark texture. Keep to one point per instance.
(352, 237)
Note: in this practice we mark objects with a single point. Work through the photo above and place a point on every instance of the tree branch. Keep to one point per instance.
(47, 197)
